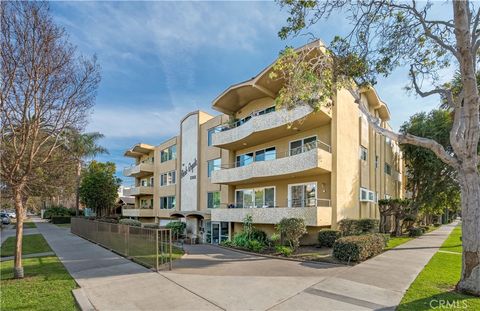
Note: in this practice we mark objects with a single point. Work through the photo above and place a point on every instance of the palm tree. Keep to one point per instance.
(83, 146)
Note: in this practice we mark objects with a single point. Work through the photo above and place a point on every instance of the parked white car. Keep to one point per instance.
(5, 218)
(12, 214)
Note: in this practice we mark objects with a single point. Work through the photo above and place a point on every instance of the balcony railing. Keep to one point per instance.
(289, 204)
(237, 123)
(318, 144)
(139, 190)
(140, 169)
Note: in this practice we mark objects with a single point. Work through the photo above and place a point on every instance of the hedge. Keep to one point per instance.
(358, 248)
(327, 237)
(415, 231)
(61, 219)
(349, 227)
(130, 222)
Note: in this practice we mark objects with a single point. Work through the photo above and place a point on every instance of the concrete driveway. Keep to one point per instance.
(237, 281)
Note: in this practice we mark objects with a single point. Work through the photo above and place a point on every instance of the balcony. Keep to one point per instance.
(269, 126)
(140, 190)
(313, 215)
(139, 170)
(138, 212)
(310, 160)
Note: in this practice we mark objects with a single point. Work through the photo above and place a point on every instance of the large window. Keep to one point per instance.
(301, 195)
(213, 165)
(146, 203)
(257, 156)
(167, 202)
(168, 154)
(302, 145)
(213, 199)
(257, 197)
(210, 134)
(168, 179)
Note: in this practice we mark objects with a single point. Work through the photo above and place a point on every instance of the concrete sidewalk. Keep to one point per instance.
(216, 278)
(378, 283)
(111, 282)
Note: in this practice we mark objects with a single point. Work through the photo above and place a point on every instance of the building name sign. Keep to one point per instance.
(188, 168)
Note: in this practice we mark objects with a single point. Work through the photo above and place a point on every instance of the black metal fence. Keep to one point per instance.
(149, 247)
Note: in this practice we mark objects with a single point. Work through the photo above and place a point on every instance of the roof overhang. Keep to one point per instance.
(139, 150)
(376, 103)
(238, 95)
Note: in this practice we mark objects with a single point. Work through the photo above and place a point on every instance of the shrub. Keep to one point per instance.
(258, 235)
(385, 236)
(415, 231)
(255, 246)
(111, 220)
(61, 219)
(56, 211)
(327, 237)
(291, 230)
(348, 227)
(130, 222)
(177, 227)
(358, 248)
(240, 240)
(284, 250)
(226, 243)
(367, 225)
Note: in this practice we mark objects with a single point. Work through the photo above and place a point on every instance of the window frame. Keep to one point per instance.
(289, 194)
(253, 196)
(302, 144)
(213, 199)
(214, 168)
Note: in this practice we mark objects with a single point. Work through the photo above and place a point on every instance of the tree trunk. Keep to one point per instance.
(18, 268)
(398, 227)
(77, 192)
(470, 187)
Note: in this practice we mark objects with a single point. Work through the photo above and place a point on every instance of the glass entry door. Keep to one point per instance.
(219, 232)
(302, 195)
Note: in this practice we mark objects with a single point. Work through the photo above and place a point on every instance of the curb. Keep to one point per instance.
(281, 258)
(82, 301)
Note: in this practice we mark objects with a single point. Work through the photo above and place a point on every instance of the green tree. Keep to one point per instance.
(99, 186)
(291, 230)
(46, 88)
(384, 36)
(432, 183)
(83, 146)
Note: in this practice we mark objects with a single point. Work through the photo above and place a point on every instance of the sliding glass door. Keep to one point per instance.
(257, 197)
(302, 195)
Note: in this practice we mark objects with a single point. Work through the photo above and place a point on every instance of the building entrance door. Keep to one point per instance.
(219, 232)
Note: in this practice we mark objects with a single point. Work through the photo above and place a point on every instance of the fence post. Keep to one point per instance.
(156, 249)
(127, 235)
(170, 245)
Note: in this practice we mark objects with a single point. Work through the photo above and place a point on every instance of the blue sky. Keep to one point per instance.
(161, 60)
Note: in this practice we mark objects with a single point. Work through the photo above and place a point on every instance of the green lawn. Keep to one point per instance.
(437, 281)
(46, 286)
(33, 243)
(395, 241)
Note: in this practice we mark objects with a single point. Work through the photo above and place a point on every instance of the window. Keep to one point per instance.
(168, 154)
(167, 202)
(363, 195)
(144, 182)
(257, 197)
(363, 153)
(213, 199)
(213, 165)
(210, 134)
(152, 181)
(257, 156)
(302, 195)
(302, 145)
(388, 169)
(376, 161)
(367, 195)
(244, 159)
(167, 179)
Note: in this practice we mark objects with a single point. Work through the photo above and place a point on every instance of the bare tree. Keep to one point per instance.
(45, 89)
(386, 34)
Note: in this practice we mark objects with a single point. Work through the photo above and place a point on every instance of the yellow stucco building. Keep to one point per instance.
(255, 159)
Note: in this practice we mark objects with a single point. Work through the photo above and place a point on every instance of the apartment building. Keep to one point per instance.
(255, 159)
